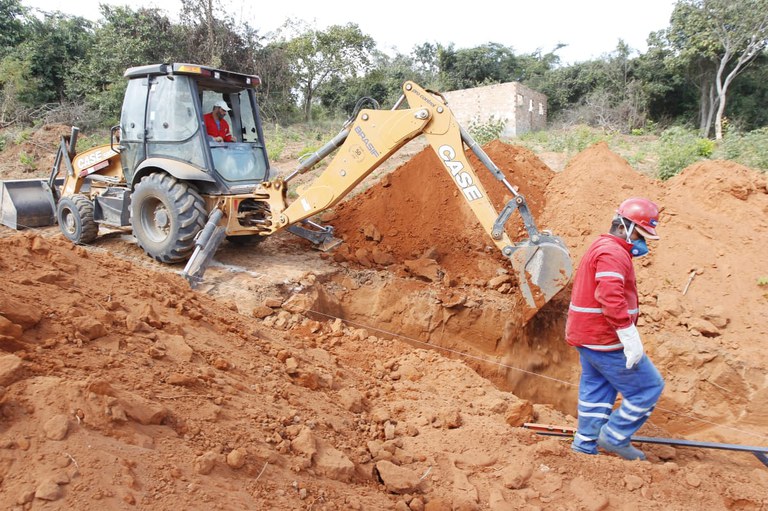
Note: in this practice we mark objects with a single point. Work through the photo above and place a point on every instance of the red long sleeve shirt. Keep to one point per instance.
(215, 130)
(604, 296)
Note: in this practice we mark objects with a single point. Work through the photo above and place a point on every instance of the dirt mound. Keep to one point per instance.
(417, 212)
(122, 388)
(700, 298)
(700, 288)
(589, 189)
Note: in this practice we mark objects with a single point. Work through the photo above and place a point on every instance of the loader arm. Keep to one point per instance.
(542, 262)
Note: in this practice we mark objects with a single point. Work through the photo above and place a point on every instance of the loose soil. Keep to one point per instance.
(394, 373)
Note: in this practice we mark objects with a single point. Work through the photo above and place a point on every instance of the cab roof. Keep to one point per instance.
(208, 76)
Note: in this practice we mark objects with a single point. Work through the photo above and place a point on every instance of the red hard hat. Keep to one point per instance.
(644, 214)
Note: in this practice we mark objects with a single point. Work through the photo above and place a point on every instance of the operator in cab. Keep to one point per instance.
(215, 124)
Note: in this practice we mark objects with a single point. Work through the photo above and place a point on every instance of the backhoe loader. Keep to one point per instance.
(182, 193)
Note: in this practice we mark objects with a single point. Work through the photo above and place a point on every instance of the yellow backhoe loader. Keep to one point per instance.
(182, 193)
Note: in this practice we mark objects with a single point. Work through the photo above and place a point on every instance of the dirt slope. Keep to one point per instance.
(124, 389)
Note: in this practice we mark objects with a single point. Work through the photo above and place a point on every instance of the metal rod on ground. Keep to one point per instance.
(760, 452)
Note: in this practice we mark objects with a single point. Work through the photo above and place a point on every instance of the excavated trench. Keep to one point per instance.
(482, 327)
(417, 266)
(421, 268)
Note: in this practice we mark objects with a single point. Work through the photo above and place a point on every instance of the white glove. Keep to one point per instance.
(633, 346)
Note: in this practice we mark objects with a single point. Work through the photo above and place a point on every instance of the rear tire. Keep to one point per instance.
(75, 216)
(166, 215)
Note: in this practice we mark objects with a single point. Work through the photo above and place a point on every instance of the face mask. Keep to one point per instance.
(639, 246)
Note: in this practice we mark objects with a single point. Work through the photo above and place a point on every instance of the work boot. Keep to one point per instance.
(582, 451)
(627, 451)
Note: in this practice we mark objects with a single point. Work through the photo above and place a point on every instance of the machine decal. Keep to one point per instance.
(368, 144)
(463, 178)
(425, 99)
(89, 159)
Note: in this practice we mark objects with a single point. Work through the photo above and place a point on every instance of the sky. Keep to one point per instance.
(589, 28)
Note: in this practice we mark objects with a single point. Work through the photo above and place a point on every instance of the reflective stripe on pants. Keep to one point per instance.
(603, 376)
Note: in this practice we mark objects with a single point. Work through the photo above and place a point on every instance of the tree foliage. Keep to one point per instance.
(124, 38)
(715, 40)
(684, 77)
(11, 25)
(318, 56)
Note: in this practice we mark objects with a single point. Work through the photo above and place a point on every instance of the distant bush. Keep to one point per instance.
(749, 149)
(484, 132)
(680, 147)
(275, 142)
(571, 140)
(27, 162)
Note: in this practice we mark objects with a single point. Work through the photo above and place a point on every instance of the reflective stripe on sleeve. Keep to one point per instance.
(609, 274)
(597, 310)
(591, 310)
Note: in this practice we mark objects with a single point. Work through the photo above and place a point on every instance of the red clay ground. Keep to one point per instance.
(124, 389)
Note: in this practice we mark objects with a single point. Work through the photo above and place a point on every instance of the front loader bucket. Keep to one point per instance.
(26, 203)
(543, 269)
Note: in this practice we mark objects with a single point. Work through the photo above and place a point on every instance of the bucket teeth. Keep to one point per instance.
(543, 269)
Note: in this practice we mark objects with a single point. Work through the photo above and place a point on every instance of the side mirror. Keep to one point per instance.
(114, 136)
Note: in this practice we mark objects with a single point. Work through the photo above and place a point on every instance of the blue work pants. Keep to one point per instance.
(603, 376)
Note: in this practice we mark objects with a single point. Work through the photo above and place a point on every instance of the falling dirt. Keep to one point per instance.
(121, 388)
(417, 213)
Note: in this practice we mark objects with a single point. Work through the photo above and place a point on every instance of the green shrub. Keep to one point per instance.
(484, 132)
(649, 128)
(572, 140)
(27, 161)
(680, 147)
(275, 142)
(750, 149)
(23, 136)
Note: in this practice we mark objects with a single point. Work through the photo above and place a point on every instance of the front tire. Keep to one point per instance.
(166, 215)
(75, 216)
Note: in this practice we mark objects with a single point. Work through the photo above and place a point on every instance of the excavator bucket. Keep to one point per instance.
(543, 268)
(26, 203)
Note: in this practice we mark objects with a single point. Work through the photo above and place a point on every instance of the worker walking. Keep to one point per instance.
(601, 325)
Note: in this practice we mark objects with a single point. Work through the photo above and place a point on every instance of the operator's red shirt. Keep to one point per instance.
(604, 296)
(217, 131)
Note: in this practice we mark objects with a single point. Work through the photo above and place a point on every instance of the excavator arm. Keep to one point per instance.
(542, 262)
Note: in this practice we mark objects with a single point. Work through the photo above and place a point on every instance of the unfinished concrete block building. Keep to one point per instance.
(522, 109)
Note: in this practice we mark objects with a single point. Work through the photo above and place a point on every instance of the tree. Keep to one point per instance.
(11, 26)
(383, 83)
(199, 14)
(277, 98)
(214, 38)
(54, 44)
(123, 38)
(317, 56)
(669, 92)
(720, 38)
(486, 64)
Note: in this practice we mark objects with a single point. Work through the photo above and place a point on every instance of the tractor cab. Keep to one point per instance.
(162, 127)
